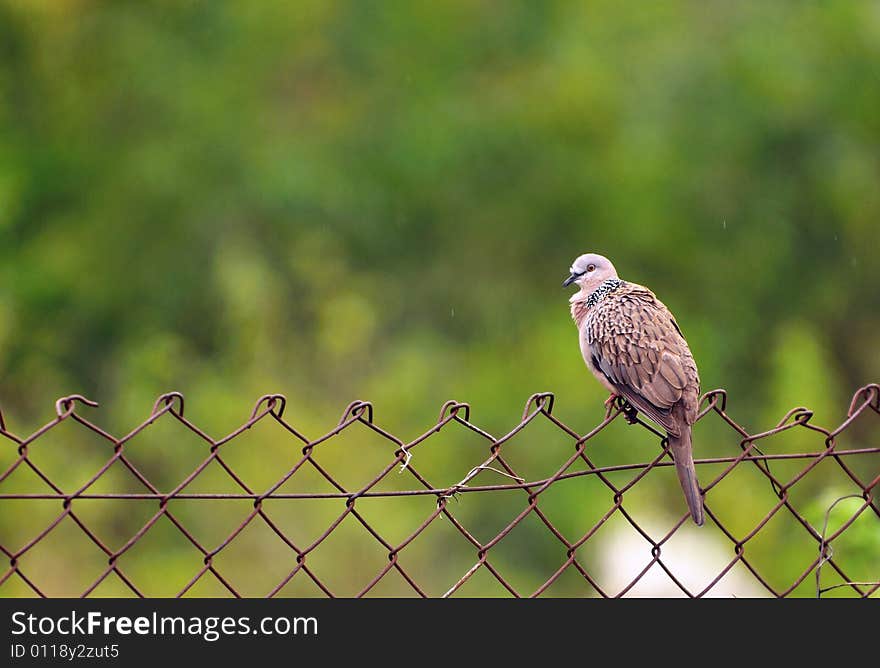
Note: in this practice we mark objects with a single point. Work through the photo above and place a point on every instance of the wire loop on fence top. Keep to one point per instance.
(271, 401)
(452, 408)
(356, 409)
(869, 395)
(541, 401)
(167, 401)
(65, 406)
(796, 416)
(711, 398)
(479, 519)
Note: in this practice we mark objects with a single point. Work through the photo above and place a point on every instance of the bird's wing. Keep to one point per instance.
(636, 343)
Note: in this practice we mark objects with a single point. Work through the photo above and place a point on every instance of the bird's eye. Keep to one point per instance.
(591, 267)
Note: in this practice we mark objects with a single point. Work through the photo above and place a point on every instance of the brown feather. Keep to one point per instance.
(671, 370)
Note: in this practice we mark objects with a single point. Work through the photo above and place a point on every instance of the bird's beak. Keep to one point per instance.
(571, 279)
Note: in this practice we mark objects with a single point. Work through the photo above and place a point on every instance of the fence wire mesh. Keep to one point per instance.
(820, 563)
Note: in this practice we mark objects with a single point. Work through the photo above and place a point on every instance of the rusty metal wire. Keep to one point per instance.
(453, 414)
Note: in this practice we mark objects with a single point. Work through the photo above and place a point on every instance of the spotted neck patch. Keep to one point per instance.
(607, 287)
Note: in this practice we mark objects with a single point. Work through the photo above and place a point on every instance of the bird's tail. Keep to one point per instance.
(687, 473)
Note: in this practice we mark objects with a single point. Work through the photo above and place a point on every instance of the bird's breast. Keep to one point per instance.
(579, 313)
(587, 354)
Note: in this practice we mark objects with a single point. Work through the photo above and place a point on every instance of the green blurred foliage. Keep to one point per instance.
(340, 200)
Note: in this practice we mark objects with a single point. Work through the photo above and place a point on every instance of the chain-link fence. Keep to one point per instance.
(821, 569)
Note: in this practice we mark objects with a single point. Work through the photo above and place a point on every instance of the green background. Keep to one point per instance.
(344, 200)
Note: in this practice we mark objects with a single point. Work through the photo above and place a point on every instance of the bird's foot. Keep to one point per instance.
(628, 410)
(609, 404)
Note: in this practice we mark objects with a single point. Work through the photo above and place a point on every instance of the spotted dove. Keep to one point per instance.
(634, 347)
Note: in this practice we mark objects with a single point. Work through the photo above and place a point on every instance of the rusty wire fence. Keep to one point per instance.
(821, 565)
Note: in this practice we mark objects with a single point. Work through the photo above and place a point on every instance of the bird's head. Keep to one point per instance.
(589, 271)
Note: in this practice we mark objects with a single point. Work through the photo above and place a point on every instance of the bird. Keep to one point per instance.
(634, 347)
